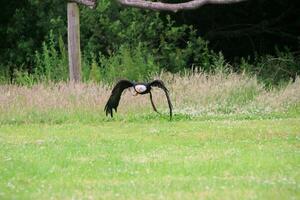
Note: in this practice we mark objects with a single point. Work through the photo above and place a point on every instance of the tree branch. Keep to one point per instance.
(89, 3)
(190, 5)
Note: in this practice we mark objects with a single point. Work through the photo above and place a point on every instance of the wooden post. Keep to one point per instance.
(74, 42)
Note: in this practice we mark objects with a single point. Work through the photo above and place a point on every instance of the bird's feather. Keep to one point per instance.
(160, 84)
(152, 103)
(115, 96)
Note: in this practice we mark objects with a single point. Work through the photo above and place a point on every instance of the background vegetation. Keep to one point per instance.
(259, 37)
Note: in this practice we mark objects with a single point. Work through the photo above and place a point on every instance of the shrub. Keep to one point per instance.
(52, 62)
(132, 63)
(273, 70)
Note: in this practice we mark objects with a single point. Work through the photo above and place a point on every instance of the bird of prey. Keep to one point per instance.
(138, 88)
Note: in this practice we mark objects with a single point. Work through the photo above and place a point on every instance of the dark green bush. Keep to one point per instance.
(51, 64)
(134, 63)
(273, 69)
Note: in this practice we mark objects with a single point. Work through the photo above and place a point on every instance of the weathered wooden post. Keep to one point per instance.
(74, 38)
(74, 42)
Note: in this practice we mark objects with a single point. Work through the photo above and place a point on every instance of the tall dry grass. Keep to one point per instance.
(193, 94)
(201, 93)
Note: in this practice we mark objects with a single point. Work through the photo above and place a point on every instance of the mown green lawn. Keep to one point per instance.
(211, 159)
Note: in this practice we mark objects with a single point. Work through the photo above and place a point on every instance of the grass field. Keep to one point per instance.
(156, 159)
(230, 138)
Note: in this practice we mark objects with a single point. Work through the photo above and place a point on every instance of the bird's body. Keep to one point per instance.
(139, 89)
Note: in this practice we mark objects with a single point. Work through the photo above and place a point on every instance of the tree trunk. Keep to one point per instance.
(74, 42)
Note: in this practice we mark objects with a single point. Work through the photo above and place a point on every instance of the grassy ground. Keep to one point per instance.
(230, 138)
(156, 159)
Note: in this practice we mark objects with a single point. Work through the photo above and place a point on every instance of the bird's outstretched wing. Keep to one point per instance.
(152, 103)
(160, 84)
(115, 96)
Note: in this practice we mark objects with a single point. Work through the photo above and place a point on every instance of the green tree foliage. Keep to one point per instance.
(133, 63)
(25, 24)
(122, 42)
(119, 34)
(51, 63)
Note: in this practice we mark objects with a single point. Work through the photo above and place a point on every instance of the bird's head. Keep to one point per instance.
(138, 89)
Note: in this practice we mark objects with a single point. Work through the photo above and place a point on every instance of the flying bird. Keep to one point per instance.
(139, 89)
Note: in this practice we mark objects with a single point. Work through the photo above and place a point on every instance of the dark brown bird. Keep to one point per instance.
(139, 88)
